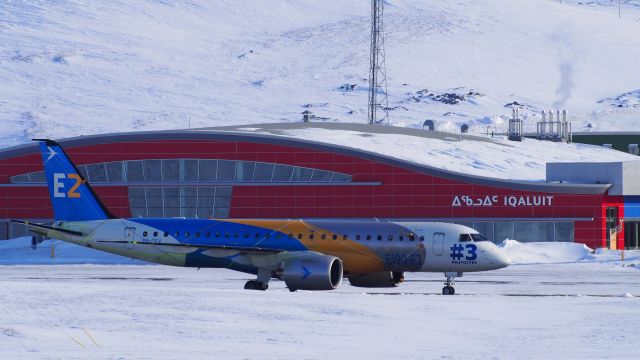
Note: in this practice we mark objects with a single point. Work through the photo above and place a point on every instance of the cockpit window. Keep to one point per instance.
(465, 237)
(479, 237)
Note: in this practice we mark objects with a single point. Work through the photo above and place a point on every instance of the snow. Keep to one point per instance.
(557, 301)
(481, 156)
(568, 311)
(545, 252)
(19, 251)
(84, 67)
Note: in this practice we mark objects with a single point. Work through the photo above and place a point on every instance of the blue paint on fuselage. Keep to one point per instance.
(200, 260)
(195, 231)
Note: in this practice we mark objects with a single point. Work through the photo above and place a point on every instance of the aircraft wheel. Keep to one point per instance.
(448, 290)
(255, 285)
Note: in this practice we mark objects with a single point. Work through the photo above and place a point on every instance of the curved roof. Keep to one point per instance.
(280, 134)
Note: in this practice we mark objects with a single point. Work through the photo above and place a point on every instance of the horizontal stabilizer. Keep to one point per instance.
(35, 226)
(246, 249)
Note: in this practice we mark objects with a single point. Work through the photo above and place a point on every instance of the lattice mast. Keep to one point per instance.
(377, 68)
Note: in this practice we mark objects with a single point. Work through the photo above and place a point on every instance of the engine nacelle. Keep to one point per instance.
(379, 279)
(312, 272)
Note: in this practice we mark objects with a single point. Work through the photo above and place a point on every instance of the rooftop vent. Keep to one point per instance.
(515, 125)
(554, 130)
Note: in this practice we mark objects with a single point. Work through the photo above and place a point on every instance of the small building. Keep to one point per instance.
(429, 125)
(307, 116)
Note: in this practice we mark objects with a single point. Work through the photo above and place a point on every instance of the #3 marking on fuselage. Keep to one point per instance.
(458, 253)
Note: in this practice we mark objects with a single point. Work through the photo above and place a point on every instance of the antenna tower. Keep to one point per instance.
(377, 68)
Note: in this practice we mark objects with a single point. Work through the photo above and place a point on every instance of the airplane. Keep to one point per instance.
(306, 254)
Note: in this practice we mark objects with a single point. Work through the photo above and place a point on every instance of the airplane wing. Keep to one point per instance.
(244, 249)
(43, 229)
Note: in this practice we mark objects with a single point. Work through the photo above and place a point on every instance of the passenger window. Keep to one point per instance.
(226, 235)
(208, 235)
(267, 235)
(186, 234)
(144, 233)
(246, 235)
(236, 235)
(177, 234)
(299, 236)
(335, 237)
(155, 234)
(197, 234)
(344, 237)
(412, 237)
(323, 236)
(390, 237)
(368, 237)
(218, 235)
(421, 238)
(379, 237)
(310, 236)
(357, 237)
(257, 235)
(166, 234)
(401, 237)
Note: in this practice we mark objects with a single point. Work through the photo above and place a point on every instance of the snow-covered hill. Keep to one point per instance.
(79, 67)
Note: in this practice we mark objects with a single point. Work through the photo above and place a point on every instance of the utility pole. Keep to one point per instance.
(377, 68)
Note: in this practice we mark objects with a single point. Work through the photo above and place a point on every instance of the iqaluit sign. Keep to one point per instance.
(504, 200)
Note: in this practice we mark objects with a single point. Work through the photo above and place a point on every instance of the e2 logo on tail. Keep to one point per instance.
(58, 185)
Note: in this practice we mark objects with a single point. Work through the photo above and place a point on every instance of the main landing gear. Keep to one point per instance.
(262, 283)
(256, 285)
(448, 288)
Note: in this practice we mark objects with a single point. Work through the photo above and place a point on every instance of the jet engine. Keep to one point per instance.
(379, 279)
(312, 272)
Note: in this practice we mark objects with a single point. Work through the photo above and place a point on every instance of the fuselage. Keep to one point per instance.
(364, 247)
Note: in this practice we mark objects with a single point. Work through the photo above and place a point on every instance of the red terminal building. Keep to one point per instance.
(229, 173)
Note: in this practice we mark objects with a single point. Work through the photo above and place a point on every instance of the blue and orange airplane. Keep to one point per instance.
(305, 254)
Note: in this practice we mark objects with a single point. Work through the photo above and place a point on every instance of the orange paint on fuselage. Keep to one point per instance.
(356, 258)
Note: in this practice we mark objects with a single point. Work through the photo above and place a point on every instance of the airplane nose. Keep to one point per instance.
(501, 259)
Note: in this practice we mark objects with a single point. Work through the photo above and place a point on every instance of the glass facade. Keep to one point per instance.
(190, 202)
(525, 231)
(194, 170)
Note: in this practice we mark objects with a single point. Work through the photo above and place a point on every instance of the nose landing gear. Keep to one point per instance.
(448, 288)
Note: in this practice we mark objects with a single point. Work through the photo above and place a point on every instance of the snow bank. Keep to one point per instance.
(18, 252)
(545, 252)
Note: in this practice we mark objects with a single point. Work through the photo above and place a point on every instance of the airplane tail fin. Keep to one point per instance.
(71, 196)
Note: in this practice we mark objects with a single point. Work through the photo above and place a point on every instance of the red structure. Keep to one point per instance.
(308, 180)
